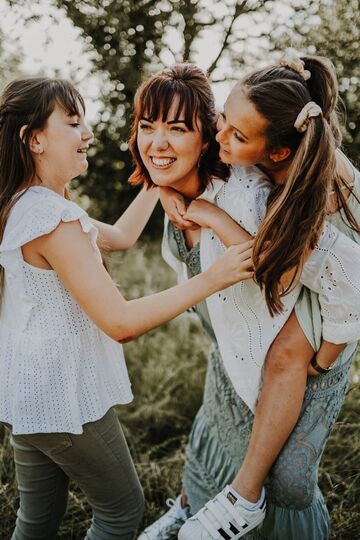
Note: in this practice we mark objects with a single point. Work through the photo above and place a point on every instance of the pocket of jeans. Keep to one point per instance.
(50, 444)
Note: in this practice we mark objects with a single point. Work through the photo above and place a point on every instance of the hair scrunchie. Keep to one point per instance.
(292, 61)
(310, 110)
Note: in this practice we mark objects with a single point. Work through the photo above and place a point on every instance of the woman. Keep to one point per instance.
(62, 318)
(213, 460)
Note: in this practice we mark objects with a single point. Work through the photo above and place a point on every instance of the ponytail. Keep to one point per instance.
(297, 208)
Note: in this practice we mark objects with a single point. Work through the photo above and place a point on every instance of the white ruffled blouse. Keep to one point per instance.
(241, 321)
(58, 370)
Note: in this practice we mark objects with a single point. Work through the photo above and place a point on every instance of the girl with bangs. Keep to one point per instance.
(286, 177)
(62, 318)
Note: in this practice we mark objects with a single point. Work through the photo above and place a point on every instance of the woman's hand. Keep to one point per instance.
(232, 266)
(202, 212)
(175, 205)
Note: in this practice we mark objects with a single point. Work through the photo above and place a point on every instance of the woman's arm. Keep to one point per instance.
(127, 229)
(69, 252)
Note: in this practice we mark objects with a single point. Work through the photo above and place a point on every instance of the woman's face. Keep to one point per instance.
(170, 151)
(241, 131)
(63, 145)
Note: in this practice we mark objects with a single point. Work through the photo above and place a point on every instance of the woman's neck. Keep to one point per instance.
(190, 188)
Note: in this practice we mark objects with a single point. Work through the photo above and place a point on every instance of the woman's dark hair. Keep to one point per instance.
(297, 208)
(26, 102)
(153, 100)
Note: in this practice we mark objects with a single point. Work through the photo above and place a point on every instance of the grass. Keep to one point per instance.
(167, 368)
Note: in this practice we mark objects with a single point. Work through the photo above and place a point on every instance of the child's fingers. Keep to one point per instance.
(180, 207)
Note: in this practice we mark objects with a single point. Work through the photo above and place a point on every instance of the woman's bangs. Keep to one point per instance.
(158, 99)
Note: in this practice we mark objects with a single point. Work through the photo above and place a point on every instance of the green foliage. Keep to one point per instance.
(9, 64)
(129, 39)
(167, 368)
(332, 28)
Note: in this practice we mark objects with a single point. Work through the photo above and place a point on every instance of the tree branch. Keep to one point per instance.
(239, 9)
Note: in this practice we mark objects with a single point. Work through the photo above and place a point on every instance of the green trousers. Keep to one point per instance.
(98, 461)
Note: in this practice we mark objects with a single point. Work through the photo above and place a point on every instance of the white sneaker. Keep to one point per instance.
(167, 527)
(222, 518)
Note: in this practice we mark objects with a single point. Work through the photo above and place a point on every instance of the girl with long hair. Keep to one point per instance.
(62, 318)
(241, 322)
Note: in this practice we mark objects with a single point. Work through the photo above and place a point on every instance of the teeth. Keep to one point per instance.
(162, 162)
(82, 151)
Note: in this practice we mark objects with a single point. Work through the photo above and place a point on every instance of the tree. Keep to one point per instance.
(130, 39)
(9, 64)
(332, 28)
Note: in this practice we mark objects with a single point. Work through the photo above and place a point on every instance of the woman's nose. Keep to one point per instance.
(160, 140)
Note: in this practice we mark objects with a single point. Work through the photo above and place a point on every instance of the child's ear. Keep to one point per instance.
(34, 142)
(280, 154)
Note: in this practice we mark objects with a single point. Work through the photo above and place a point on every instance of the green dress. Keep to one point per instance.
(221, 430)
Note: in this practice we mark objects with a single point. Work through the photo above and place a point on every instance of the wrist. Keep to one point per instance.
(316, 364)
(213, 282)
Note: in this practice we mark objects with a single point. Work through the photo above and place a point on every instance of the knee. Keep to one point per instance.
(119, 520)
(285, 355)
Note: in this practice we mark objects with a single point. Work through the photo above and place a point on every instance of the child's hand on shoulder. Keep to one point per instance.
(202, 212)
(175, 206)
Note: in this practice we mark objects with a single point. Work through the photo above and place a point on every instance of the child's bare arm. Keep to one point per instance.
(325, 357)
(127, 229)
(208, 215)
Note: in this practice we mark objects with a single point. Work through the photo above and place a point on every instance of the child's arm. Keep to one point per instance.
(325, 358)
(70, 253)
(127, 229)
(208, 215)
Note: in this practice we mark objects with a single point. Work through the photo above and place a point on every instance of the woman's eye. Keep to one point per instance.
(144, 127)
(178, 129)
(75, 124)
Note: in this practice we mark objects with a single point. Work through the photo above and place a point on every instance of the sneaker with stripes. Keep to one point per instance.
(222, 518)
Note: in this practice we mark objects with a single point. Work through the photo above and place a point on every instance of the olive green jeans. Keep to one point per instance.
(98, 461)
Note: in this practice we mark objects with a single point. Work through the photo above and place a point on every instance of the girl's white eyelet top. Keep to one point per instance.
(58, 370)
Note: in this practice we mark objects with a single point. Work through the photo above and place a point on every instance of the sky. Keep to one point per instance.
(56, 49)
(54, 46)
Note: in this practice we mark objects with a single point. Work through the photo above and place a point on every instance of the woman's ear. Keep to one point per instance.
(280, 154)
(204, 148)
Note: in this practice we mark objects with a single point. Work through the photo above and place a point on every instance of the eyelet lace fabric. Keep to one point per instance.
(221, 431)
(58, 369)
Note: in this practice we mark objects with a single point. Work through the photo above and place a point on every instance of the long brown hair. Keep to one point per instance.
(26, 102)
(297, 208)
(154, 99)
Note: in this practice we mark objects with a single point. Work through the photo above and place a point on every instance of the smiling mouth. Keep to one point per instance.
(162, 163)
(82, 151)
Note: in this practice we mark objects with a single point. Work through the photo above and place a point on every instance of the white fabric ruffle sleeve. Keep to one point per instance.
(333, 271)
(38, 212)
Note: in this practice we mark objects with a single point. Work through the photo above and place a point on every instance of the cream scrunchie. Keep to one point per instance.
(292, 61)
(310, 110)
